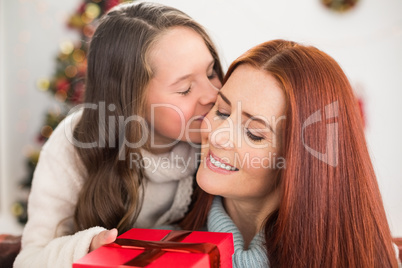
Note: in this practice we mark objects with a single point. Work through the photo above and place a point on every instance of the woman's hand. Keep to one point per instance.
(103, 238)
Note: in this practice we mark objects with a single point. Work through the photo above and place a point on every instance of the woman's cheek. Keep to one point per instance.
(216, 83)
(207, 126)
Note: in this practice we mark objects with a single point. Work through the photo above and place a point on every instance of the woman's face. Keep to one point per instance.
(183, 89)
(240, 138)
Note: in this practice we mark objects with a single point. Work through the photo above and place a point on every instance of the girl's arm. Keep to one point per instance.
(55, 188)
(58, 252)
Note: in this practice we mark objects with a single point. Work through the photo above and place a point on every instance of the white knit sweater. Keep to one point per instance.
(57, 182)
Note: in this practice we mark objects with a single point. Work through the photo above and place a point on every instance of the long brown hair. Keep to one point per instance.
(117, 76)
(331, 212)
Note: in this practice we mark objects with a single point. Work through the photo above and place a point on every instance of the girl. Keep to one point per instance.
(288, 164)
(150, 67)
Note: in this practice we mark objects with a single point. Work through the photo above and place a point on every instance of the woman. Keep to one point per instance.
(285, 155)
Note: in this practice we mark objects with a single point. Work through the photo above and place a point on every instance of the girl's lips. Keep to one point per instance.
(215, 168)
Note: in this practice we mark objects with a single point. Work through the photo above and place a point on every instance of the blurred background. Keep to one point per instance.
(42, 57)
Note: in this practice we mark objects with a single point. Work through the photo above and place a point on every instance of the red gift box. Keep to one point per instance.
(163, 248)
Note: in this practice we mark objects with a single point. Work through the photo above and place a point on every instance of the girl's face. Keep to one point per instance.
(241, 142)
(183, 89)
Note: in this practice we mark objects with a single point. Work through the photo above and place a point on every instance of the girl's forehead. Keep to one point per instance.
(180, 50)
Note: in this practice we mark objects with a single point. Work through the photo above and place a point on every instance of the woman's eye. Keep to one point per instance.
(252, 136)
(221, 115)
(184, 93)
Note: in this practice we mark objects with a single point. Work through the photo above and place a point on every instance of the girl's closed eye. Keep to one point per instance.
(212, 75)
(184, 93)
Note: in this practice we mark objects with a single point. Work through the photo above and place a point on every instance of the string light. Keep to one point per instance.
(88, 30)
(75, 21)
(43, 84)
(71, 71)
(17, 209)
(46, 131)
(340, 6)
(92, 11)
(61, 96)
(79, 55)
(66, 47)
(85, 19)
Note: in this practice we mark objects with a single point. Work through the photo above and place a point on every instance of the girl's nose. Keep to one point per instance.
(208, 93)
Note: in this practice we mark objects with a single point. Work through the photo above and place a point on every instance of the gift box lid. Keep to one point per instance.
(117, 256)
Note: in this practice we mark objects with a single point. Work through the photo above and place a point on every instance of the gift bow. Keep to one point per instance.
(170, 243)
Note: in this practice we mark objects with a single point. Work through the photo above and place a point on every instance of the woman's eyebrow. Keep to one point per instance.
(259, 120)
(252, 117)
(224, 98)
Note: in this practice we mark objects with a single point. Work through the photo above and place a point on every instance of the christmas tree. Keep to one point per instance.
(67, 84)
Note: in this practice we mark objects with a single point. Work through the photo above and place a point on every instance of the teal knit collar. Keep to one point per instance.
(255, 255)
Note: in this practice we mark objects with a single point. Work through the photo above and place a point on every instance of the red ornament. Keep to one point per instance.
(362, 112)
(62, 85)
(78, 93)
(111, 3)
(81, 8)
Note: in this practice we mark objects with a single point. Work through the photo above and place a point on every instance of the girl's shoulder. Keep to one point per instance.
(62, 135)
(61, 142)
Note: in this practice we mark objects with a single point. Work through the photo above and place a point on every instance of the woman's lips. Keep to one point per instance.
(216, 164)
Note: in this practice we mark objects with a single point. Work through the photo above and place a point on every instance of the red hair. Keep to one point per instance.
(331, 212)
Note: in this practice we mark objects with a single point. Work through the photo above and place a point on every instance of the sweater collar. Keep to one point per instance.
(219, 221)
(175, 165)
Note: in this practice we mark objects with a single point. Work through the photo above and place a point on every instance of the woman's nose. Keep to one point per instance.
(223, 136)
